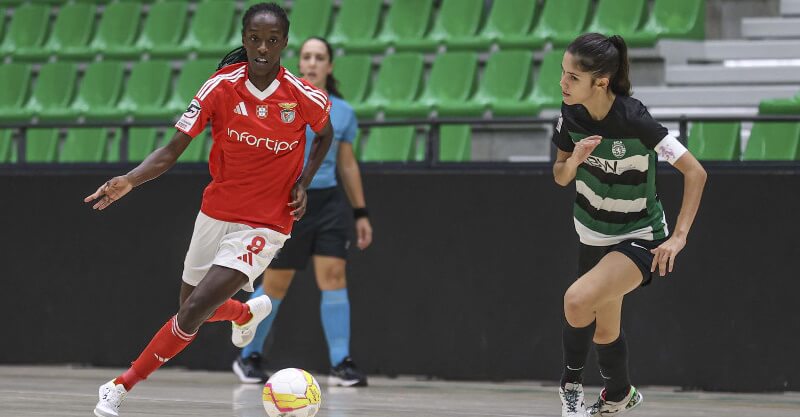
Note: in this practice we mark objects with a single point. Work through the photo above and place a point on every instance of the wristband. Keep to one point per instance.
(360, 212)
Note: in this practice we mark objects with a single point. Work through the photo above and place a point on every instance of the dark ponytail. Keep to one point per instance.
(604, 56)
(331, 83)
(239, 54)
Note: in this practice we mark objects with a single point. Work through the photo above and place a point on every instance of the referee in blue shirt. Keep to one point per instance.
(322, 232)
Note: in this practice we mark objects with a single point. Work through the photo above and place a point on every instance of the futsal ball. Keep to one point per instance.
(291, 392)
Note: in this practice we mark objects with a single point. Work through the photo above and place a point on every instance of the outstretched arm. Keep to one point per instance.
(157, 163)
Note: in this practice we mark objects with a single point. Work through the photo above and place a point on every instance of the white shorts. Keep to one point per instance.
(232, 245)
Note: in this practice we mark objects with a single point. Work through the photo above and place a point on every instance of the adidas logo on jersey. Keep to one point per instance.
(240, 109)
(246, 258)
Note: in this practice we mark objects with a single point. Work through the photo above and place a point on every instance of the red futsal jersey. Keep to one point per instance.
(259, 143)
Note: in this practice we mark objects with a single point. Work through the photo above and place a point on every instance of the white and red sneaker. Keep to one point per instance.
(111, 397)
(242, 335)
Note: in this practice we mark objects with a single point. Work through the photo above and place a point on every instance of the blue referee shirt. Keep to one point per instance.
(345, 127)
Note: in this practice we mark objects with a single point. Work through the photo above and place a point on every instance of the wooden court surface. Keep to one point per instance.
(27, 391)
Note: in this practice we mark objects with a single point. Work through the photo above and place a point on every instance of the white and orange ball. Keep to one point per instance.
(291, 392)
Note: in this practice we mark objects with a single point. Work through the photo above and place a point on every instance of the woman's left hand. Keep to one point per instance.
(664, 254)
(364, 233)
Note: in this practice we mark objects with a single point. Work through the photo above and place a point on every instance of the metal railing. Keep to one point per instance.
(431, 160)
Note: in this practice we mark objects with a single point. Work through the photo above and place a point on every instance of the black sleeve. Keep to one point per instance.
(649, 131)
(561, 136)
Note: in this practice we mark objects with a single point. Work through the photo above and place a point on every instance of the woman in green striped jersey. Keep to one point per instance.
(609, 144)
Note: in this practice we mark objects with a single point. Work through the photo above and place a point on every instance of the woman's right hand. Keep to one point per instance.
(111, 191)
(584, 148)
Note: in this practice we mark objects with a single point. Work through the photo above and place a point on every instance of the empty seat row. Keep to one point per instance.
(101, 95)
(719, 141)
(92, 145)
(452, 88)
(214, 29)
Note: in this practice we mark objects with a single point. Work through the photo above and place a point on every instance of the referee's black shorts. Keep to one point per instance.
(636, 249)
(323, 230)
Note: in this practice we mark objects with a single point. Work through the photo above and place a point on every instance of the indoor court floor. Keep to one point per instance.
(65, 392)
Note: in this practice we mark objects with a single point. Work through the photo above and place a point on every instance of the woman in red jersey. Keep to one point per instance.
(259, 113)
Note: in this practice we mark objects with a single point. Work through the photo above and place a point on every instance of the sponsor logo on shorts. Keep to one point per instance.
(639, 246)
(246, 258)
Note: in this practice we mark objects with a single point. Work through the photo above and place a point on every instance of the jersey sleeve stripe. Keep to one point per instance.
(312, 90)
(315, 96)
(213, 82)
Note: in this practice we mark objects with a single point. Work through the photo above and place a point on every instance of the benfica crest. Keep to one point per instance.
(261, 111)
(287, 112)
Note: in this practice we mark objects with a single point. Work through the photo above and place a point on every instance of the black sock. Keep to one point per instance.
(576, 343)
(613, 361)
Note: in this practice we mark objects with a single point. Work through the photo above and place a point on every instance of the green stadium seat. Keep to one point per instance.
(562, 21)
(399, 80)
(99, 91)
(117, 30)
(141, 143)
(41, 145)
(2, 24)
(193, 75)
(309, 18)
(72, 31)
(780, 105)
(451, 82)
(504, 79)
(292, 64)
(711, 141)
(618, 17)
(406, 21)
(389, 144)
(53, 91)
(771, 141)
(163, 29)
(27, 32)
(353, 73)
(455, 143)
(546, 92)
(678, 19)
(14, 83)
(146, 89)
(196, 151)
(464, 35)
(457, 21)
(356, 24)
(211, 29)
(85, 145)
(8, 149)
(509, 25)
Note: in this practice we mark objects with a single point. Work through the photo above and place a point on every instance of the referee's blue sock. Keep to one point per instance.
(262, 331)
(335, 312)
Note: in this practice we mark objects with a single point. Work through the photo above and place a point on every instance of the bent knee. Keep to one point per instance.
(577, 301)
(332, 278)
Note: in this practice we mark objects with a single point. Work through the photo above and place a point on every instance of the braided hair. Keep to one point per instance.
(239, 54)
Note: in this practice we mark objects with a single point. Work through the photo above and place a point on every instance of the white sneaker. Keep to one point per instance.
(572, 404)
(260, 307)
(610, 408)
(111, 397)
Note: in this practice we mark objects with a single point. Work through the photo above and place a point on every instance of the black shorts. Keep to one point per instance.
(636, 249)
(323, 230)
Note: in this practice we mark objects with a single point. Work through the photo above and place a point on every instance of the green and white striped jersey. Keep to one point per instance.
(616, 186)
